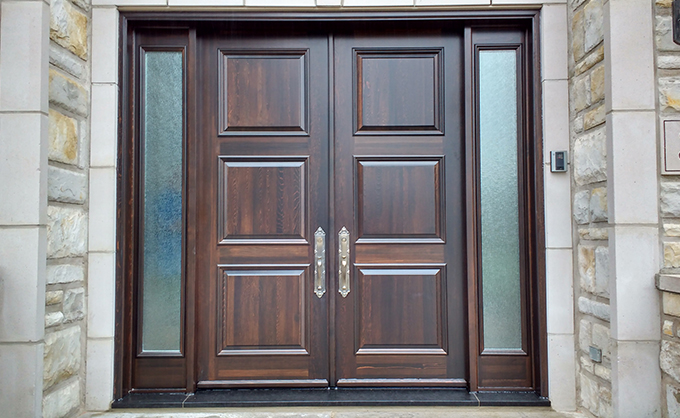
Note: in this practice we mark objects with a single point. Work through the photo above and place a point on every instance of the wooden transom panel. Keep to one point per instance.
(262, 200)
(400, 311)
(398, 92)
(251, 293)
(263, 93)
(400, 198)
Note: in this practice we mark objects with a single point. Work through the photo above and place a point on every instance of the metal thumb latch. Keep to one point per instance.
(343, 262)
(319, 262)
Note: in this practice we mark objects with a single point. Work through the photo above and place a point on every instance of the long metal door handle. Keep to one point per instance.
(319, 262)
(343, 249)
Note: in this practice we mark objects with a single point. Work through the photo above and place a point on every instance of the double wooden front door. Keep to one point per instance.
(300, 136)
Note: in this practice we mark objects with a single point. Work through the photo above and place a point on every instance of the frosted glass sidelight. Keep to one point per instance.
(501, 307)
(162, 206)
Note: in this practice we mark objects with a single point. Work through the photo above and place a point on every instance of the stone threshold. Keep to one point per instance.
(343, 397)
(668, 282)
(342, 412)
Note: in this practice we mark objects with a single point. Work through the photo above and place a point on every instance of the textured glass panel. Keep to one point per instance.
(162, 268)
(499, 199)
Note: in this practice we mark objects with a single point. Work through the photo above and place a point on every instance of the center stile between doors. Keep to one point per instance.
(331, 205)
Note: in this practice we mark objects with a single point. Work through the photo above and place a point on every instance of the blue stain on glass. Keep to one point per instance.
(162, 208)
(499, 195)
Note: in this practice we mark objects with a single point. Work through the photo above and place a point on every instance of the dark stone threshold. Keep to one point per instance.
(328, 397)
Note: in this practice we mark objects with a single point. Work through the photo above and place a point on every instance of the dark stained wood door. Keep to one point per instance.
(263, 191)
(358, 130)
(399, 191)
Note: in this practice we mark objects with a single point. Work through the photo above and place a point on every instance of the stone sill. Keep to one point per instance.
(668, 282)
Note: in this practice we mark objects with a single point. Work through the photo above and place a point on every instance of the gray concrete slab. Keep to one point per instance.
(342, 412)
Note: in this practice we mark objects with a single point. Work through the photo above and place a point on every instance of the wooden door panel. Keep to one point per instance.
(255, 84)
(398, 90)
(399, 191)
(263, 191)
(263, 200)
(400, 311)
(399, 199)
(267, 292)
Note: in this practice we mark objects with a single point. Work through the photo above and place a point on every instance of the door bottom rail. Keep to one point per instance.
(328, 397)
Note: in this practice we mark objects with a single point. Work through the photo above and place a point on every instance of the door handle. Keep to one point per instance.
(343, 250)
(319, 262)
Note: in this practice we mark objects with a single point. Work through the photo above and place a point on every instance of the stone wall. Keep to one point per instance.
(67, 211)
(589, 187)
(668, 82)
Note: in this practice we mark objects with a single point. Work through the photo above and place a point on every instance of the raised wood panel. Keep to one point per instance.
(263, 92)
(263, 200)
(400, 199)
(399, 311)
(250, 294)
(398, 92)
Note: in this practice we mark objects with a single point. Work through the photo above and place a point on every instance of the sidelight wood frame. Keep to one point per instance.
(179, 373)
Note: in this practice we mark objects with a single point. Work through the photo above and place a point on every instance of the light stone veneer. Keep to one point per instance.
(561, 361)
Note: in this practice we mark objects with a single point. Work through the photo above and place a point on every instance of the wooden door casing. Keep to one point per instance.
(300, 166)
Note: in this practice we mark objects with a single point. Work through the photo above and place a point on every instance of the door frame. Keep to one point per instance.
(127, 257)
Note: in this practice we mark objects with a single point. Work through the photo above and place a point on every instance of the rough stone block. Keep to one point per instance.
(671, 304)
(53, 319)
(581, 94)
(601, 339)
(64, 60)
(597, 84)
(593, 233)
(74, 304)
(63, 401)
(596, 309)
(671, 230)
(594, 25)
(68, 94)
(589, 394)
(577, 35)
(83, 4)
(670, 199)
(54, 297)
(62, 356)
(603, 372)
(668, 327)
(68, 27)
(594, 118)
(66, 186)
(581, 207)
(664, 34)
(577, 124)
(63, 138)
(585, 331)
(673, 401)
(598, 205)
(65, 273)
(602, 271)
(605, 410)
(590, 61)
(671, 254)
(586, 267)
(670, 359)
(669, 93)
(590, 158)
(66, 232)
(668, 62)
(587, 364)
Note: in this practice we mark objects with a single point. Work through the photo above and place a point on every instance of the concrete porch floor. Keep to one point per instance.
(342, 412)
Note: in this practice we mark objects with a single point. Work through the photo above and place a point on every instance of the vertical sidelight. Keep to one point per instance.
(161, 204)
(499, 200)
